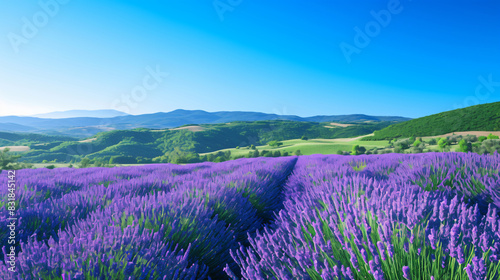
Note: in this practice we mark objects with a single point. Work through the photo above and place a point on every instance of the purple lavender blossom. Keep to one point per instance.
(406, 272)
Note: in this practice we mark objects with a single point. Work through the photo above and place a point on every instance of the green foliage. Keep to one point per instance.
(491, 136)
(433, 141)
(454, 139)
(7, 160)
(464, 146)
(470, 138)
(443, 143)
(482, 138)
(85, 162)
(417, 143)
(254, 153)
(305, 138)
(484, 117)
(488, 146)
(20, 139)
(402, 144)
(275, 143)
(358, 150)
(416, 150)
(50, 166)
(297, 153)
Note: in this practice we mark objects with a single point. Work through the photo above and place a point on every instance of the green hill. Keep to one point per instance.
(146, 144)
(484, 117)
(20, 139)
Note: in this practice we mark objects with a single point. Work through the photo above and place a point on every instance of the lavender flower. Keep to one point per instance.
(406, 272)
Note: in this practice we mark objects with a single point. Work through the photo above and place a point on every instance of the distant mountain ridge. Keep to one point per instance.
(88, 126)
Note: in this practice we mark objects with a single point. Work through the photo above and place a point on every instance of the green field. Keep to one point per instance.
(310, 147)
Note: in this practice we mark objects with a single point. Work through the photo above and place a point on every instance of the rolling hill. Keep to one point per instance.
(88, 126)
(147, 144)
(484, 117)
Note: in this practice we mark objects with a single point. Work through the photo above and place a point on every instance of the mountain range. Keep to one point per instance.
(88, 126)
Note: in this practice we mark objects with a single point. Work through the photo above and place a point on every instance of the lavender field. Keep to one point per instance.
(393, 216)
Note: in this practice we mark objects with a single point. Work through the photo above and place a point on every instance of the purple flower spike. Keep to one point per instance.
(406, 272)
(381, 248)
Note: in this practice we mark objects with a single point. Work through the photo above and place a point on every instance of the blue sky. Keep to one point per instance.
(286, 57)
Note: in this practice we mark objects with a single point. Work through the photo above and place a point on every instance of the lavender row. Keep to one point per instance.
(367, 218)
(198, 212)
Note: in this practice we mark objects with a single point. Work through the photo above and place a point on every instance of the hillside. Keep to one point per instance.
(142, 145)
(87, 126)
(19, 139)
(484, 117)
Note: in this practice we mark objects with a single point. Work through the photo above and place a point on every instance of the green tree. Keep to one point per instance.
(358, 150)
(417, 143)
(355, 150)
(256, 153)
(8, 161)
(482, 138)
(304, 138)
(297, 153)
(85, 162)
(275, 143)
(219, 159)
(443, 143)
(464, 146)
(491, 136)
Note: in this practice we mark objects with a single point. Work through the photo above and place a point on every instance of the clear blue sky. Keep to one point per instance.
(280, 56)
